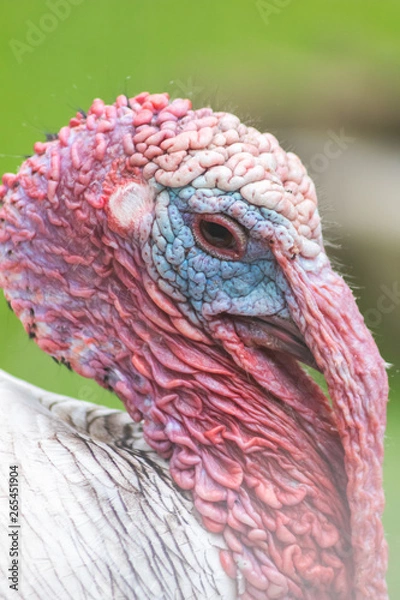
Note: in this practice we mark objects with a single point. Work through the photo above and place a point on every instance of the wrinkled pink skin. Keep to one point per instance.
(294, 487)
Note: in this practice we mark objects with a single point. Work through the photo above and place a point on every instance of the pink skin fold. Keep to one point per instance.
(293, 484)
(325, 311)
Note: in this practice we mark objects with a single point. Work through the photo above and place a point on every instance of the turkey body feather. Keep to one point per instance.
(100, 516)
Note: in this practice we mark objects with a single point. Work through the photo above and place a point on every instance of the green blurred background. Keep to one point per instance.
(324, 77)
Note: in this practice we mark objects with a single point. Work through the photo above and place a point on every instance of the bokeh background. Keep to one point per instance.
(324, 77)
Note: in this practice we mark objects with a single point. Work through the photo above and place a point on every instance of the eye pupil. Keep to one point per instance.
(217, 235)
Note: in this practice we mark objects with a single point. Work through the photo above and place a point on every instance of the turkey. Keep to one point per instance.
(176, 257)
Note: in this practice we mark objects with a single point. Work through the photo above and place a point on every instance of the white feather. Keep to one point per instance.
(100, 517)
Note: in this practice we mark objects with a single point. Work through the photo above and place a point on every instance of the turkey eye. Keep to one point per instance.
(217, 235)
(220, 236)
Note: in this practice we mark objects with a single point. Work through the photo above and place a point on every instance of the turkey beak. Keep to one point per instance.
(275, 334)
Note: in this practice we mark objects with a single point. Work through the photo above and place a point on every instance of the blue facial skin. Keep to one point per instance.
(250, 286)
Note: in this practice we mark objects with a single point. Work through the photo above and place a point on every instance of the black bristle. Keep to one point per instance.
(50, 137)
(66, 363)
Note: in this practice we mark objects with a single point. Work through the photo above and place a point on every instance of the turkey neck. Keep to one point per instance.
(255, 445)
